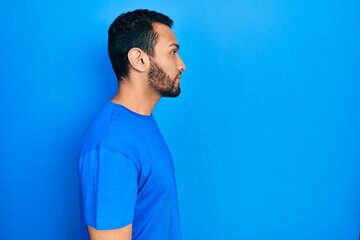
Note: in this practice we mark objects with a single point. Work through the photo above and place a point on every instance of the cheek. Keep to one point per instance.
(171, 69)
(171, 62)
(169, 66)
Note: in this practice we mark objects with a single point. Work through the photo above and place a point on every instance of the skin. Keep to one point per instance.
(135, 92)
(162, 83)
(139, 92)
(118, 234)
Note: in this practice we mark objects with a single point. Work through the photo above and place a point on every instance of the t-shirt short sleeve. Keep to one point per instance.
(108, 182)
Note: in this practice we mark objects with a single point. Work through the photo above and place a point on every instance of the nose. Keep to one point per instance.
(181, 65)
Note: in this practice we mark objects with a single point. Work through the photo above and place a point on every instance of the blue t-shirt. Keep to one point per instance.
(126, 175)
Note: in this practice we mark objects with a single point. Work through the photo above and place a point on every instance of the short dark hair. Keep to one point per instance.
(129, 30)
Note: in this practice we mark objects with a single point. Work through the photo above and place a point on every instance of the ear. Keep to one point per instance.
(138, 59)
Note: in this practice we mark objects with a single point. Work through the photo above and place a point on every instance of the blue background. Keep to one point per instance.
(265, 134)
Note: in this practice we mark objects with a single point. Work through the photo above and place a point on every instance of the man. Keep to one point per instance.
(126, 171)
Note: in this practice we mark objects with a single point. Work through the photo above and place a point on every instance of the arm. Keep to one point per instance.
(123, 233)
(108, 181)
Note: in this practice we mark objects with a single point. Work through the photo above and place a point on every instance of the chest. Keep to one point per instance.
(157, 173)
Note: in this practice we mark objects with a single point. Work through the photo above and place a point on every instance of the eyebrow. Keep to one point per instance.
(176, 45)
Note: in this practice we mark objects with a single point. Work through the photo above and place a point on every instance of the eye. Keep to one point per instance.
(173, 52)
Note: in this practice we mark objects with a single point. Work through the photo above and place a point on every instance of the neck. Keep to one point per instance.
(136, 98)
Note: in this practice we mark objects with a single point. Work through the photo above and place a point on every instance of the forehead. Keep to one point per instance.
(166, 35)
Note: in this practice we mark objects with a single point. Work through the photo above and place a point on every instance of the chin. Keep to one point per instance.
(173, 94)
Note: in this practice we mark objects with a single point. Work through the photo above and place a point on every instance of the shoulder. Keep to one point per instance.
(97, 131)
(111, 128)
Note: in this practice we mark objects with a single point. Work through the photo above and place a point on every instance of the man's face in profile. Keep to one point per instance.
(166, 65)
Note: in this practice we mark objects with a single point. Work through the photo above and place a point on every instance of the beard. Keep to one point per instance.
(162, 83)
